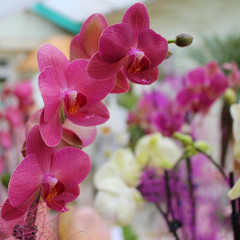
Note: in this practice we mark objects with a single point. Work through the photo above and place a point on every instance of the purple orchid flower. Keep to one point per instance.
(131, 46)
(203, 86)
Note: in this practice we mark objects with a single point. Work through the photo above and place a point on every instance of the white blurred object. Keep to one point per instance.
(12, 6)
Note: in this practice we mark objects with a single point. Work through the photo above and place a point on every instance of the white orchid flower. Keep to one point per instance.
(234, 192)
(235, 113)
(157, 151)
(122, 165)
(116, 201)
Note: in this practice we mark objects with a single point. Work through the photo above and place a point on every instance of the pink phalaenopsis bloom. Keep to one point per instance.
(68, 84)
(131, 46)
(203, 86)
(73, 135)
(54, 173)
(85, 44)
(234, 76)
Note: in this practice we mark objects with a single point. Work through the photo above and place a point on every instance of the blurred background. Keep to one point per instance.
(25, 24)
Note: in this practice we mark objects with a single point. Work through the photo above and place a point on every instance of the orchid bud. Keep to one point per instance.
(184, 40)
(183, 138)
(230, 96)
(202, 146)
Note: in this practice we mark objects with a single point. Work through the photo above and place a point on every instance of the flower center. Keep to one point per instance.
(137, 61)
(73, 101)
(51, 187)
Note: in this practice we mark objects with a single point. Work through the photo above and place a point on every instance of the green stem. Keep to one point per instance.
(214, 163)
(172, 41)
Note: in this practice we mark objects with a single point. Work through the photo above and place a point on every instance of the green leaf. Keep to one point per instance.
(129, 233)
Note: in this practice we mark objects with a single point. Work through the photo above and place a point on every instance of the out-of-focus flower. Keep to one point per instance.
(85, 44)
(68, 84)
(234, 192)
(156, 112)
(235, 113)
(130, 45)
(154, 150)
(203, 86)
(24, 92)
(54, 173)
(116, 201)
(5, 139)
(234, 76)
(81, 221)
(122, 165)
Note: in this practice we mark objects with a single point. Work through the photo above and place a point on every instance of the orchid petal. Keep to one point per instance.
(90, 115)
(76, 162)
(28, 173)
(234, 192)
(143, 77)
(79, 80)
(154, 46)
(10, 212)
(136, 16)
(196, 78)
(121, 85)
(37, 146)
(78, 136)
(115, 42)
(99, 69)
(51, 93)
(51, 132)
(85, 44)
(50, 56)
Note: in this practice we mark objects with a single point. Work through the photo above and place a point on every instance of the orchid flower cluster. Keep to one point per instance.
(103, 59)
(182, 180)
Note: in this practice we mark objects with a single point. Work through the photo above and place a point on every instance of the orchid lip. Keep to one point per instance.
(137, 53)
(52, 181)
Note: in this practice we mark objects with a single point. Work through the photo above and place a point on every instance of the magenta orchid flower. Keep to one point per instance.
(68, 84)
(85, 44)
(203, 86)
(72, 135)
(54, 173)
(131, 46)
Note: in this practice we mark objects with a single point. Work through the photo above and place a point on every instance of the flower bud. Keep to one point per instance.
(202, 146)
(184, 40)
(183, 138)
(230, 96)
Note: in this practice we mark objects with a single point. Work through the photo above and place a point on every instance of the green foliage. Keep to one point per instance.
(128, 233)
(5, 179)
(136, 132)
(128, 100)
(220, 49)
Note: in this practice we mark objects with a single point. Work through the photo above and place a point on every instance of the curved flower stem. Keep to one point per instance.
(170, 224)
(214, 163)
(192, 196)
(168, 191)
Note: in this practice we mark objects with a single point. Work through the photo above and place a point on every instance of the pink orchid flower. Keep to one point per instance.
(54, 173)
(73, 135)
(131, 46)
(85, 44)
(203, 86)
(234, 75)
(5, 139)
(68, 84)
